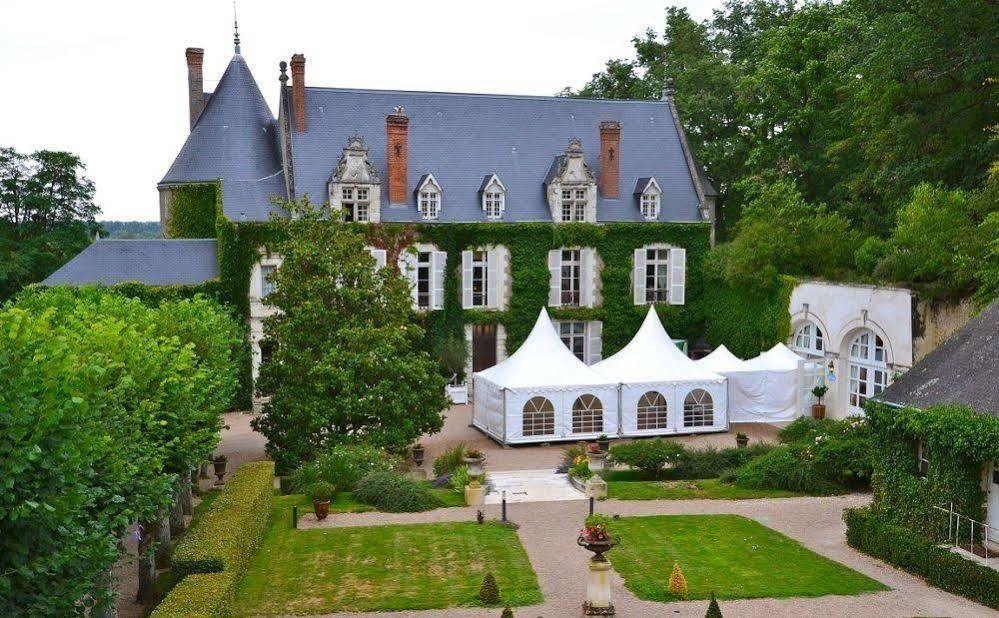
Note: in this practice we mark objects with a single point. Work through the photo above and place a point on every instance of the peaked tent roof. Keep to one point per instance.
(149, 261)
(235, 139)
(543, 361)
(777, 358)
(720, 360)
(651, 356)
(963, 370)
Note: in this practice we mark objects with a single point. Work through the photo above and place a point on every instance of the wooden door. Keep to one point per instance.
(483, 346)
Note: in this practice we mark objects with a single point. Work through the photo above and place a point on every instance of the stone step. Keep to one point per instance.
(530, 486)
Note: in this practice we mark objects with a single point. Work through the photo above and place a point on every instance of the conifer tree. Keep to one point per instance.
(677, 582)
(489, 592)
(713, 610)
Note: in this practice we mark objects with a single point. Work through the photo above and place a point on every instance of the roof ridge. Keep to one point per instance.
(481, 94)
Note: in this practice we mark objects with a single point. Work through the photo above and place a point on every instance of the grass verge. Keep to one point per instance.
(710, 489)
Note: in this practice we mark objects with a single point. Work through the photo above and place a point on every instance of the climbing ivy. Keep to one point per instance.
(193, 208)
(747, 320)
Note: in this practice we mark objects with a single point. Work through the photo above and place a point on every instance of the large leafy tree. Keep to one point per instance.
(346, 363)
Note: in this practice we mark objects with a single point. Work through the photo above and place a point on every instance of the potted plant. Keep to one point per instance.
(418, 453)
(219, 461)
(473, 459)
(603, 442)
(741, 440)
(596, 537)
(321, 494)
(596, 456)
(819, 408)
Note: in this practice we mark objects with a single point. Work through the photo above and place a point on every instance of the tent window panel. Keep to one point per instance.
(539, 417)
(587, 415)
(573, 335)
(698, 409)
(656, 275)
(652, 413)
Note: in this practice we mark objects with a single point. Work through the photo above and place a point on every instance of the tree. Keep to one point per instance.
(677, 582)
(713, 610)
(347, 364)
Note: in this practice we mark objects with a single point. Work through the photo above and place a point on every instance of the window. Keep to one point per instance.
(355, 203)
(868, 368)
(922, 463)
(573, 335)
(650, 205)
(539, 417)
(267, 286)
(480, 278)
(493, 204)
(808, 340)
(652, 411)
(423, 284)
(587, 415)
(570, 276)
(429, 203)
(698, 409)
(573, 205)
(656, 275)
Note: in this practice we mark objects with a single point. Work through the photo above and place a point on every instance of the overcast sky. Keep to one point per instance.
(108, 80)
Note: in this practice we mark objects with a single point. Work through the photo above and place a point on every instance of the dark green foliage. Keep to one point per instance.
(342, 466)
(787, 467)
(321, 491)
(710, 462)
(920, 555)
(489, 592)
(193, 211)
(204, 595)
(746, 321)
(450, 460)
(394, 493)
(507, 612)
(806, 428)
(132, 229)
(713, 610)
(649, 456)
(580, 469)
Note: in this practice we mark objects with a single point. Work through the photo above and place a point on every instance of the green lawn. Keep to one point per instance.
(381, 568)
(687, 490)
(735, 557)
(345, 502)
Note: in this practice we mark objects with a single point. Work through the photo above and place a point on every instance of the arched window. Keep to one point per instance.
(808, 339)
(698, 409)
(868, 368)
(587, 415)
(652, 411)
(539, 417)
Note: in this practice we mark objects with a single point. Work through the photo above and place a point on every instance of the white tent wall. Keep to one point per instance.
(675, 393)
(562, 400)
(487, 408)
(762, 396)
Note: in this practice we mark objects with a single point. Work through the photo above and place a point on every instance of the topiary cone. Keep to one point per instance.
(713, 610)
(677, 582)
(489, 592)
(507, 612)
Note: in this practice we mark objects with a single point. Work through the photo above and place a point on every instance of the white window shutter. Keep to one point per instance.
(677, 275)
(638, 276)
(438, 262)
(493, 278)
(407, 266)
(586, 258)
(594, 342)
(555, 268)
(381, 257)
(466, 279)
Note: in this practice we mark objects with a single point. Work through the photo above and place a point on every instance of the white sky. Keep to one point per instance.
(108, 80)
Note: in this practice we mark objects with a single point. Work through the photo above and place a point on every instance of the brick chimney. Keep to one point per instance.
(195, 82)
(610, 157)
(298, 92)
(397, 132)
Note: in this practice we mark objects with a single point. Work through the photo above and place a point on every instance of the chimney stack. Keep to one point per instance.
(397, 132)
(195, 82)
(610, 157)
(298, 92)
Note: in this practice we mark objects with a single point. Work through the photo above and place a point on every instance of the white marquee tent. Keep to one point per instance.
(662, 390)
(542, 392)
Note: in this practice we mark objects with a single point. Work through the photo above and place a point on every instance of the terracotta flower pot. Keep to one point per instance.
(818, 411)
(322, 509)
(742, 441)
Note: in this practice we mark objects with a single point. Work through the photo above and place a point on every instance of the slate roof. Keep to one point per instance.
(149, 261)
(235, 139)
(963, 370)
(459, 138)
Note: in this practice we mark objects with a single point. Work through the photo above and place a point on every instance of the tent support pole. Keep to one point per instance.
(504, 415)
(620, 410)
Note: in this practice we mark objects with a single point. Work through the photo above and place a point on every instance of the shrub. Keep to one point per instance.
(321, 491)
(570, 454)
(917, 554)
(842, 448)
(201, 595)
(507, 612)
(710, 462)
(677, 582)
(713, 610)
(230, 529)
(581, 469)
(805, 429)
(460, 479)
(450, 460)
(785, 467)
(489, 592)
(649, 456)
(341, 466)
(394, 493)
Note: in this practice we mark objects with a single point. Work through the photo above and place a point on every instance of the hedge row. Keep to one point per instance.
(920, 556)
(201, 595)
(228, 533)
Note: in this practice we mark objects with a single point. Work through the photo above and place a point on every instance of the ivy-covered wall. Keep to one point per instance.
(193, 210)
(745, 320)
(957, 443)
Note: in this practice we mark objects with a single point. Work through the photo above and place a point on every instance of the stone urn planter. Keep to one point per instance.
(599, 548)
(603, 442)
(220, 462)
(595, 537)
(418, 454)
(741, 440)
(475, 494)
(473, 459)
(596, 456)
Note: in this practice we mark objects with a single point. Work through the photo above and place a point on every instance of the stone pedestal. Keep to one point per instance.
(598, 590)
(596, 488)
(475, 495)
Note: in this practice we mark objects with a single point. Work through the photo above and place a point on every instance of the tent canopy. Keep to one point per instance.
(543, 361)
(651, 357)
(777, 358)
(720, 361)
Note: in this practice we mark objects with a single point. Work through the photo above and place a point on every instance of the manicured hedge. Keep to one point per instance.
(920, 556)
(228, 533)
(201, 595)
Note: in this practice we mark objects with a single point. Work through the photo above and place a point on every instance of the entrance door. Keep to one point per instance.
(483, 346)
(993, 512)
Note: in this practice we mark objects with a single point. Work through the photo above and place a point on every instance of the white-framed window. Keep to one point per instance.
(571, 277)
(574, 277)
(480, 278)
(493, 204)
(809, 340)
(538, 417)
(485, 277)
(922, 461)
(868, 368)
(430, 202)
(267, 285)
(657, 275)
(573, 205)
(423, 266)
(652, 411)
(424, 283)
(587, 415)
(356, 203)
(698, 409)
(650, 206)
(573, 335)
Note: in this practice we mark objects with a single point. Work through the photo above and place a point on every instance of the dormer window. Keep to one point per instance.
(649, 198)
(355, 203)
(493, 197)
(573, 205)
(355, 188)
(429, 197)
(571, 187)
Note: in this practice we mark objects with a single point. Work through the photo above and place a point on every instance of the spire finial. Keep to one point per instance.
(235, 25)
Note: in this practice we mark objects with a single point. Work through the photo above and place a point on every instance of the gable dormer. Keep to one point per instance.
(428, 197)
(571, 187)
(355, 188)
(493, 194)
(649, 195)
